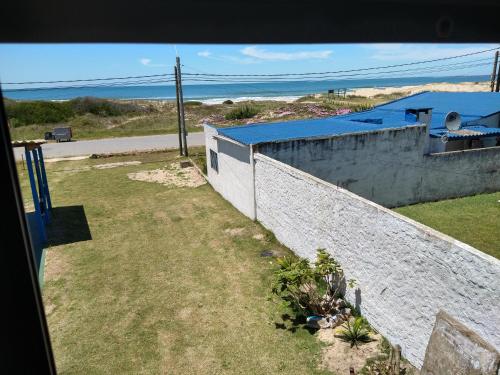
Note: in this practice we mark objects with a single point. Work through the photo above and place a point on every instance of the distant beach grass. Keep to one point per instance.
(93, 118)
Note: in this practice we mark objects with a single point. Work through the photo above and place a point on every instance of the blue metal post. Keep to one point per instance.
(45, 182)
(41, 189)
(36, 202)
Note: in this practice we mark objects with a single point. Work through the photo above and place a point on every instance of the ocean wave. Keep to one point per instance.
(287, 98)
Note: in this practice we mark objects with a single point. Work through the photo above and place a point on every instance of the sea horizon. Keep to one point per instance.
(217, 93)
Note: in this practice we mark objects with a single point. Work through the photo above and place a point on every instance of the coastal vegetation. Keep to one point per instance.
(92, 118)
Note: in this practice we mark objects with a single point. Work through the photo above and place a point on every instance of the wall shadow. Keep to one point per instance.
(68, 225)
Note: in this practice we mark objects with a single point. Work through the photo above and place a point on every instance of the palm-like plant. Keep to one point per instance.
(356, 331)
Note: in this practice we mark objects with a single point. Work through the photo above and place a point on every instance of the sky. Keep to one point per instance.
(31, 62)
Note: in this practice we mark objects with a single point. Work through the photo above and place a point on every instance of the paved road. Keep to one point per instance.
(112, 145)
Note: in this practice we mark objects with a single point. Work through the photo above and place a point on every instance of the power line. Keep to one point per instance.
(432, 69)
(254, 75)
(350, 70)
(86, 80)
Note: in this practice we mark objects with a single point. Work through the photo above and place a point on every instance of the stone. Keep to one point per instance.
(454, 349)
(318, 322)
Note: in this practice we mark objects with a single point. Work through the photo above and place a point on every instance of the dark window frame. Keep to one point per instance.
(25, 333)
(214, 160)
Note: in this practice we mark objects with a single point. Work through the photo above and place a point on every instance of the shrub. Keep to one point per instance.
(242, 113)
(193, 103)
(102, 107)
(227, 102)
(314, 290)
(37, 112)
(356, 330)
(22, 113)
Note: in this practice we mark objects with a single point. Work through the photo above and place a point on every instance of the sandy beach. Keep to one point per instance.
(409, 90)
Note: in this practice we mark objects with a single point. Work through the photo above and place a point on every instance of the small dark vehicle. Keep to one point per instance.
(62, 134)
(48, 136)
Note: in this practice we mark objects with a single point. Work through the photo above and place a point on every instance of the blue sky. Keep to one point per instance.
(30, 62)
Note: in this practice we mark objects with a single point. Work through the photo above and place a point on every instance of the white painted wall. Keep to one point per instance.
(390, 167)
(406, 271)
(234, 181)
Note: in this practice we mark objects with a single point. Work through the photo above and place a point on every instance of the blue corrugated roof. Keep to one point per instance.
(466, 132)
(300, 129)
(471, 106)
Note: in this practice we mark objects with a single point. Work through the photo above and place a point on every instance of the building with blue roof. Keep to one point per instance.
(402, 152)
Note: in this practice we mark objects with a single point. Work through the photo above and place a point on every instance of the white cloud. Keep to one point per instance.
(204, 53)
(263, 54)
(148, 62)
(395, 52)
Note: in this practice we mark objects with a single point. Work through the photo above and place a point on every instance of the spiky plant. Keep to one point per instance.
(356, 331)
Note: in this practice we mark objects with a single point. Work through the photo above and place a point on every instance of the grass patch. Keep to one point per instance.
(473, 220)
(172, 282)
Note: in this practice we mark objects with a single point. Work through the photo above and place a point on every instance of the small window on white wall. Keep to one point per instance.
(214, 161)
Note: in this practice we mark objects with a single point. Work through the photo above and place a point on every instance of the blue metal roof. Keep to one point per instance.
(300, 129)
(470, 105)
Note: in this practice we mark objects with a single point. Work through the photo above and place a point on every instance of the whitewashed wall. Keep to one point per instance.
(234, 181)
(389, 166)
(406, 271)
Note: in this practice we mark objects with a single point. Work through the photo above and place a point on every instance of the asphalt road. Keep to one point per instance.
(114, 145)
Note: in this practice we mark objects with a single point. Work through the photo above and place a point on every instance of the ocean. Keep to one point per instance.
(216, 93)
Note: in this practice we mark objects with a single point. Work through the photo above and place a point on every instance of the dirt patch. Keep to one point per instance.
(119, 164)
(56, 265)
(72, 158)
(338, 356)
(259, 236)
(171, 175)
(234, 231)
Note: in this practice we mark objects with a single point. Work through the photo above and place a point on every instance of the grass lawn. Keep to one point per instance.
(473, 220)
(171, 281)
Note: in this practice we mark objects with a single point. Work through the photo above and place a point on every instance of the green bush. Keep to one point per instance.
(243, 112)
(102, 107)
(26, 113)
(21, 113)
(192, 103)
(314, 290)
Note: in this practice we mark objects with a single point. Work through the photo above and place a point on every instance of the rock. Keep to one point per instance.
(455, 349)
(318, 322)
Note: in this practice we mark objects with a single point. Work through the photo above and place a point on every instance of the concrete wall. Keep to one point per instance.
(234, 181)
(389, 166)
(406, 272)
(459, 173)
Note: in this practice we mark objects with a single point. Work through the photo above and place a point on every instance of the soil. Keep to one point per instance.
(234, 231)
(339, 357)
(171, 175)
(114, 165)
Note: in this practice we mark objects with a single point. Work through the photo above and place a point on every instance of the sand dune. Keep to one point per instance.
(463, 86)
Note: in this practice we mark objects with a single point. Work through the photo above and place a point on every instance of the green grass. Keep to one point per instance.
(163, 286)
(473, 220)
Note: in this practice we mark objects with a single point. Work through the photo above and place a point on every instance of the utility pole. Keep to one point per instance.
(181, 105)
(493, 75)
(181, 146)
(498, 79)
